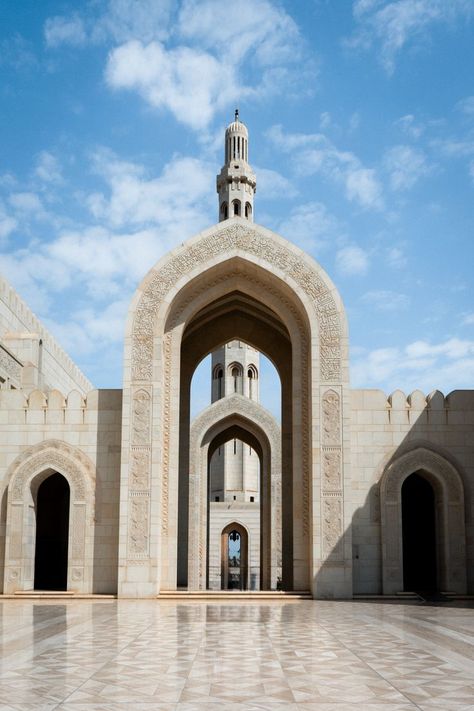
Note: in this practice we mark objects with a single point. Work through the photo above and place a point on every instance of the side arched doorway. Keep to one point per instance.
(234, 557)
(423, 524)
(45, 547)
(52, 533)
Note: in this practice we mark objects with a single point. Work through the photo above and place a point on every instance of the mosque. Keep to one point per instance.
(352, 492)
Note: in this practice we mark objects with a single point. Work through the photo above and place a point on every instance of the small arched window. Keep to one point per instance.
(218, 375)
(224, 211)
(252, 375)
(236, 207)
(236, 374)
(248, 210)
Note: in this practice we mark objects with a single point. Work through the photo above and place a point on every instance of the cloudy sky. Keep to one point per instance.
(361, 119)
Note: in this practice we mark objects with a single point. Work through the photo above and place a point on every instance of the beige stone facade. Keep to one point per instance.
(340, 479)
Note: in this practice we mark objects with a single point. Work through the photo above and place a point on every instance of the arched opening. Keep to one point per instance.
(419, 534)
(52, 534)
(236, 208)
(224, 211)
(248, 209)
(234, 557)
(237, 380)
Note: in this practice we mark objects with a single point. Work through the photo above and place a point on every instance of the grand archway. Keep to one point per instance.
(441, 493)
(236, 281)
(52, 533)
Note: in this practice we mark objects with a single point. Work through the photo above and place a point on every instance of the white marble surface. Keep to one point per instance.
(166, 656)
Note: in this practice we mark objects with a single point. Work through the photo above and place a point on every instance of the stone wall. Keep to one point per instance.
(45, 364)
(383, 429)
(90, 426)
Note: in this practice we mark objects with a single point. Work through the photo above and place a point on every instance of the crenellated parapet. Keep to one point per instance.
(54, 408)
(398, 408)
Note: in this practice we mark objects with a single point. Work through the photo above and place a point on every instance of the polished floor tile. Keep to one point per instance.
(243, 656)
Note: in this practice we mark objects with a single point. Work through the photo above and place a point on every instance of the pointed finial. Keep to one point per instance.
(236, 115)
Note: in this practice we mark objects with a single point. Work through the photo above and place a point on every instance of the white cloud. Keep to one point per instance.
(235, 30)
(7, 224)
(466, 105)
(385, 300)
(190, 83)
(26, 202)
(65, 30)
(272, 185)
(352, 260)
(315, 153)
(396, 257)
(405, 165)
(48, 168)
(448, 365)
(396, 23)
(180, 196)
(468, 319)
(310, 226)
(410, 126)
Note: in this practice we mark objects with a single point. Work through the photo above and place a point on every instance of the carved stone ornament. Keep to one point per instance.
(246, 239)
(56, 456)
(141, 411)
(332, 470)
(332, 526)
(140, 468)
(139, 527)
(10, 365)
(331, 406)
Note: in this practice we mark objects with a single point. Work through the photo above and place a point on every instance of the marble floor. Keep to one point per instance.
(298, 656)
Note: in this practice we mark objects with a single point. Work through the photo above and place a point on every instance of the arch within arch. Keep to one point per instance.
(25, 475)
(244, 416)
(238, 281)
(449, 495)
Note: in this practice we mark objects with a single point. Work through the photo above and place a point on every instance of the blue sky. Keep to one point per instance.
(361, 119)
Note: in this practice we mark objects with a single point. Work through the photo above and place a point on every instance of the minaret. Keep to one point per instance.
(236, 183)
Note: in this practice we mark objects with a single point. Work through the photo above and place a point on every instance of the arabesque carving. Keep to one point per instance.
(331, 418)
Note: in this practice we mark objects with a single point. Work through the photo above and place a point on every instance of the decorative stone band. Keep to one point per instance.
(245, 238)
(332, 500)
(140, 474)
(10, 365)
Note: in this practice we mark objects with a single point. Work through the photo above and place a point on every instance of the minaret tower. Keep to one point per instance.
(236, 183)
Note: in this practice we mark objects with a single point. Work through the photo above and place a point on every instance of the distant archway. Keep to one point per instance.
(448, 493)
(52, 533)
(234, 557)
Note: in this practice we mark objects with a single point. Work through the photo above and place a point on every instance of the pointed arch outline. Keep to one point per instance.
(270, 270)
(24, 476)
(449, 496)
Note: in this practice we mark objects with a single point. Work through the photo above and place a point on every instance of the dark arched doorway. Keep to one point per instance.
(419, 535)
(234, 558)
(52, 532)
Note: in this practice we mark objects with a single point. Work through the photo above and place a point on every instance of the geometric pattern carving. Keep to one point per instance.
(331, 418)
(331, 477)
(141, 411)
(332, 469)
(140, 468)
(139, 527)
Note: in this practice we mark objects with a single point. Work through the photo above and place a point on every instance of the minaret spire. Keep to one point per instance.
(236, 183)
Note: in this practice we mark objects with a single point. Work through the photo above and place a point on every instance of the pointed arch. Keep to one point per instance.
(450, 518)
(234, 281)
(25, 475)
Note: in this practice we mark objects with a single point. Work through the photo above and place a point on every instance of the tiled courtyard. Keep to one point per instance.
(165, 656)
